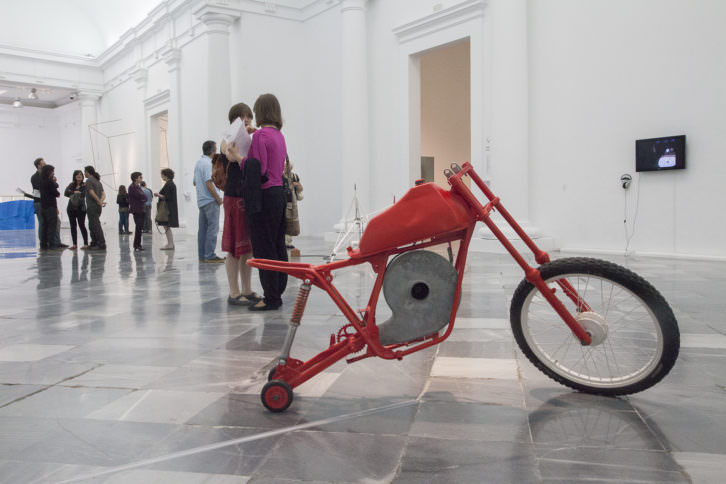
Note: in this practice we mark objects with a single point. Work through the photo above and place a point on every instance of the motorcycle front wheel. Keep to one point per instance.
(635, 338)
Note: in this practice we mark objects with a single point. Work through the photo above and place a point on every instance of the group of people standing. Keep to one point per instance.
(256, 184)
(137, 201)
(122, 200)
(251, 166)
(86, 198)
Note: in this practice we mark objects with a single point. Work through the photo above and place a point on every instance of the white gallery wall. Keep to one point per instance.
(603, 74)
(30, 133)
(559, 91)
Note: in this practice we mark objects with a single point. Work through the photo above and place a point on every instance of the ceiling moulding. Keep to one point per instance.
(289, 10)
(164, 13)
(163, 16)
(50, 82)
(48, 56)
(169, 10)
(445, 18)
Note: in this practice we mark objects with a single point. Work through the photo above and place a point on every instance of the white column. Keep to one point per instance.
(142, 161)
(172, 58)
(217, 21)
(355, 161)
(89, 117)
(508, 160)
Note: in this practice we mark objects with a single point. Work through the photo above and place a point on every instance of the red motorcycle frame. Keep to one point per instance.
(426, 216)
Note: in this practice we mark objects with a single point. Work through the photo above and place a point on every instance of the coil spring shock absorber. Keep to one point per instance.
(297, 312)
(300, 302)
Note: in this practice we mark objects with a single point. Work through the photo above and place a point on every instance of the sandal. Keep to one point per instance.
(262, 306)
(243, 300)
(253, 296)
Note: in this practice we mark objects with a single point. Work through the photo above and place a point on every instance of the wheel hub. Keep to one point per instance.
(594, 325)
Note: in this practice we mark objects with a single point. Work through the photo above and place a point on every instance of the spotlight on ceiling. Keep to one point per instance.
(33, 94)
(17, 103)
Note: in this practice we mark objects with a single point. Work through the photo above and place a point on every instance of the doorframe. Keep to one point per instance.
(154, 107)
(467, 19)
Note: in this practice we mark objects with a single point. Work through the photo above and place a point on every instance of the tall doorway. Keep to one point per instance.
(159, 148)
(445, 109)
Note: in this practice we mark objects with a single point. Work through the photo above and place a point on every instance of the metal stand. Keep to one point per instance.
(93, 128)
(357, 223)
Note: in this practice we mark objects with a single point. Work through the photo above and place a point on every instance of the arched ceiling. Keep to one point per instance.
(85, 27)
(75, 27)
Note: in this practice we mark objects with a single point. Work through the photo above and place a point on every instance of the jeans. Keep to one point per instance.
(123, 222)
(50, 228)
(41, 224)
(208, 230)
(78, 218)
(138, 229)
(94, 224)
(147, 218)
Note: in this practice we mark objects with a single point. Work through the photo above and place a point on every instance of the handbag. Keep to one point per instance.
(292, 220)
(162, 213)
(77, 202)
(220, 170)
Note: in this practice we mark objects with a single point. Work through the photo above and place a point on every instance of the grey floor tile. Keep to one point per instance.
(145, 476)
(446, 461)
(201, 363)
(467, 390)
(298, 456)
(471, 421)
(702, 468)
(9, 393)
(63, 402)
(14, 472)
(600, 464)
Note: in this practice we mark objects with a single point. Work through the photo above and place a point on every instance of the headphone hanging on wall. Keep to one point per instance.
(625, 181)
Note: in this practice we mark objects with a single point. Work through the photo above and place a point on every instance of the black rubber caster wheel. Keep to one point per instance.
(276, 396)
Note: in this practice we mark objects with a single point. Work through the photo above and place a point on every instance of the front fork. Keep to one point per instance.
(534, 277)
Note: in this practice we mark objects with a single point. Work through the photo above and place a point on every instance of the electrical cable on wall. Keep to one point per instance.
(625, 181)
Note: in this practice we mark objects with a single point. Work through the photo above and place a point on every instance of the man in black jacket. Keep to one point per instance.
(35, 182)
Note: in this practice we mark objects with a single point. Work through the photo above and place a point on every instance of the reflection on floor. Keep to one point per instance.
(113, 363)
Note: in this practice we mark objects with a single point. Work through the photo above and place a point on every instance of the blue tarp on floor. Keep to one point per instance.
(17, 215)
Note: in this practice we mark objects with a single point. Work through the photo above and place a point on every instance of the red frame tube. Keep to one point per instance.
(295, 372)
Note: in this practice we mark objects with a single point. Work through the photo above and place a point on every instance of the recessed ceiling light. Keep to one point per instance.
(33, 94)
(17, 103)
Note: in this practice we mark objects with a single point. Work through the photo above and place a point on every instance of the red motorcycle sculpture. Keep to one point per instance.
(586, 323)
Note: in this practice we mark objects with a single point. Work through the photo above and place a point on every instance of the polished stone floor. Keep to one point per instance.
(125, 368)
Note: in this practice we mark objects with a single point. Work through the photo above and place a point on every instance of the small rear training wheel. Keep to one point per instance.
(276, 396)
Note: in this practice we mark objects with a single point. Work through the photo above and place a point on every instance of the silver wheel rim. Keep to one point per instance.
(633, 346)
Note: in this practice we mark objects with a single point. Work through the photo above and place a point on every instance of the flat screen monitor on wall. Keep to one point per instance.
(655, 154)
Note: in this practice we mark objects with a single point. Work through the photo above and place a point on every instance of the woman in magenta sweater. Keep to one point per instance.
(267, 227)
(137, 202)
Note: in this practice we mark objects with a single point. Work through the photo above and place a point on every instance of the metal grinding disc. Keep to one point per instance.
(419, 288)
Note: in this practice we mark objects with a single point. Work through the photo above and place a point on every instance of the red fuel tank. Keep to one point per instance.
(424, 211)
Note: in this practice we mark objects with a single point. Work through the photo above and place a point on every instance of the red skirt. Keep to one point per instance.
(235, 235)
